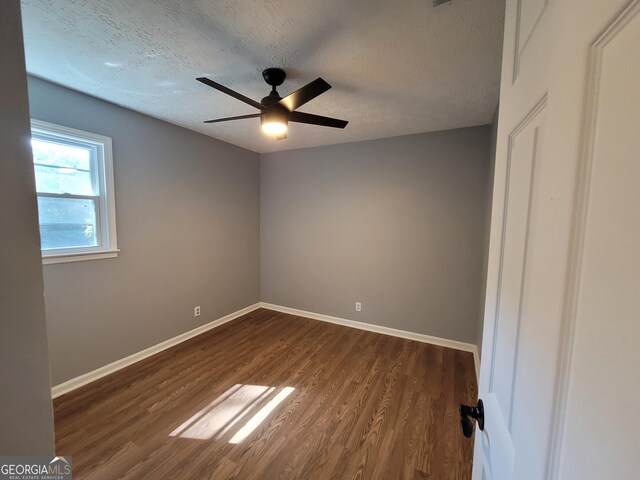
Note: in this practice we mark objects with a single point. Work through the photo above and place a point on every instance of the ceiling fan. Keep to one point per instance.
(276, 112)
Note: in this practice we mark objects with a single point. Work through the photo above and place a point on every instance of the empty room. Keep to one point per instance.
(319, 239)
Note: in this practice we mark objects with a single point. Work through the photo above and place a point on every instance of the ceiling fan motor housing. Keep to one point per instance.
(272, 99)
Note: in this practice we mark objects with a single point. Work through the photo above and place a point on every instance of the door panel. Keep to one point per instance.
(564, 261)
(605, 384)
(524, 145)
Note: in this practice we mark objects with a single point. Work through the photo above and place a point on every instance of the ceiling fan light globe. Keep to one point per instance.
(274, 123)
(274, 128)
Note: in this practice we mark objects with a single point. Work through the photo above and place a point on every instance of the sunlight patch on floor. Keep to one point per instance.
(259, 417)
(229, 410)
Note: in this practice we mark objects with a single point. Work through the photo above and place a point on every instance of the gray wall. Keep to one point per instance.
(487, 227)
(397, 224)
(187, 210)
(25, 396)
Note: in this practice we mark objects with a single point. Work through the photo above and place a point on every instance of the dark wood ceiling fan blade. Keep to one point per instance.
(230, 92)
(240, 117)
(301, 117)
(301, 96)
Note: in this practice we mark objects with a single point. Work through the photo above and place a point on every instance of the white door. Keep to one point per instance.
(560, 371)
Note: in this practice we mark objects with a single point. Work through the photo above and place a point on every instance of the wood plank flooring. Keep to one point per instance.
(273, 396)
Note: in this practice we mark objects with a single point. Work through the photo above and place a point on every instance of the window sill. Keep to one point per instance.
(78, 257)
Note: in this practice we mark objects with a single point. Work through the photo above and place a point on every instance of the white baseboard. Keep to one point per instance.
(394, 332)
(89, 377)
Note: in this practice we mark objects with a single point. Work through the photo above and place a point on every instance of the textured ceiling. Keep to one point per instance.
(397, 67)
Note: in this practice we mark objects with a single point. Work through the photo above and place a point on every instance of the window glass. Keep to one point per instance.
(62, 168)
(67, 222)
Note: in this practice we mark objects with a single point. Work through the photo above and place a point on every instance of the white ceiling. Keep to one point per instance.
(396, 66)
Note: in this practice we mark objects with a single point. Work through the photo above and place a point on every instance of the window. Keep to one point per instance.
(74, 183)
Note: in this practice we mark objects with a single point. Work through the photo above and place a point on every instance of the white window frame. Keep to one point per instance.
(103, 182)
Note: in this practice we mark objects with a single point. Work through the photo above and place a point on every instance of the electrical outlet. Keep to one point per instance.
(196, 311)
(358, 307)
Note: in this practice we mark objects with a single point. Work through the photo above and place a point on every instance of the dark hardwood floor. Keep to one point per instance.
(272, 396)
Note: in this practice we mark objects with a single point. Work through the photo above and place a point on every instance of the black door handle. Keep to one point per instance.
(467, 413)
